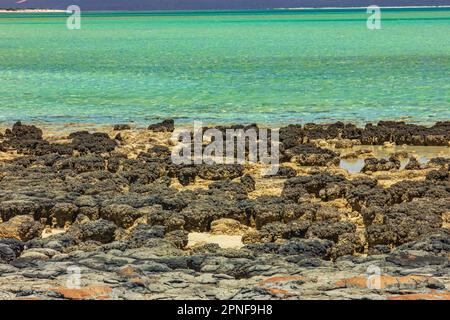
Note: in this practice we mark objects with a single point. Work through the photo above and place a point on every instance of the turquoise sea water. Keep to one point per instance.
(271, 67)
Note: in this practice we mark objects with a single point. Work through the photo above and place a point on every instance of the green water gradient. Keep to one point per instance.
(273, 67)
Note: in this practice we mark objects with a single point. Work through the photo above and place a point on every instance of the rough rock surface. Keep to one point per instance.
(119, 212)
(167, 125)
(21, 228)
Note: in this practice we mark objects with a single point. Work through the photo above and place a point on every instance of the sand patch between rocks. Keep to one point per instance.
(224, 241)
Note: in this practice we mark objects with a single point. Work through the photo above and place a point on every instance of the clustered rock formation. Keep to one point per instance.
(127, 225)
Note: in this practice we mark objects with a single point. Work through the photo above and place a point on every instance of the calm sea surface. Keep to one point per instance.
(271, 67)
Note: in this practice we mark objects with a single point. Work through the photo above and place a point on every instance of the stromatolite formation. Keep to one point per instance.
(124, 219)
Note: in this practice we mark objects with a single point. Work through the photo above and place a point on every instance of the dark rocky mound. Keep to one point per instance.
(310, 155)
(385, 131)
(374, 164)
(128, 224)
(121, 126)
(167, 125)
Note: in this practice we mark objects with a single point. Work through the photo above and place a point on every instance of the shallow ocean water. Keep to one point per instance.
(269, 67)
(423, 154)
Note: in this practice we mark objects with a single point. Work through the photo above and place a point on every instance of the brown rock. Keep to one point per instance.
(282, 279)
(91, 292)
(21, 228)
(252, 236)
(432, 295)
(283, 285)
(228, 227)
(128, 271)
(390, 282)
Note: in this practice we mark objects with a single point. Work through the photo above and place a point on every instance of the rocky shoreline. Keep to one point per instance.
(113, 206)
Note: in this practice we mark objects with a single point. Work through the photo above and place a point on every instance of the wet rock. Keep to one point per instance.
(374, 164)
(407, 222)
(81, 164)
(348, 244)
(401, 133)
(365, 196)
(274, 209)
(59, 242)
(97, 142)
(440, 162)
(233, 188)
(24, 138)
(379, 249)
(199, 214)
(86, 201)
(408, 190)
(158, 151)
(6, 254)
(227, 227)
(325, 186)
(187, 175)
(122, 215)
(338, 130)
(156, 215)
(137, 172)
(143, 233)
(413, 164)
(387, 282)
(179, 238)
(272, 232)
(436, 243)
(431, 295)
(33, 255)
(121, 126)
(22, 228)
(310, 155)
(99, 230)
(91, 292)
(10, 249)
(307, 247)
(12, 208)
(291, 136)
(345, 143)
(400, 155)
(63, 213)
(284, 172)
(167, 125)
(438, 175)
(116, 161)
(357, 153)
(416, 259)
(248, 182)
(330, 231)
(25, 132)
(220, 172)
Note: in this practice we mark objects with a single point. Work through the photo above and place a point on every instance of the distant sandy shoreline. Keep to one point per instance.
(281, 8)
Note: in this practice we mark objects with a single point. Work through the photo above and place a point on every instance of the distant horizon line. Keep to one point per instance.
(248, 9)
